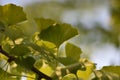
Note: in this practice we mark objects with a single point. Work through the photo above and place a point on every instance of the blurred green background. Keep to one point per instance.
(98, 22)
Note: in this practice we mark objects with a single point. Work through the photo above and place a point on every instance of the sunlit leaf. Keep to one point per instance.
(85, 75)
(58, 33)
(47, 45)
(11, 14)
(47, 70)
(72, 51)
(30, 76)
(70, 77)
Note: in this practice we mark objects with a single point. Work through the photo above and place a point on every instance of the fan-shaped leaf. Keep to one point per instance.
(43, 23)
(86, 75)
(72, 51)
(112, 69)
(58, 33)
(70, 77)
(11, 14)
(20, 50)
(13, 32)
(66, 60)
(27, 62)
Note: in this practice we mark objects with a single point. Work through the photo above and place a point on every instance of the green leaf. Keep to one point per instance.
(43, 23)
(47, 46)
(112, 69)
(5, 75)
(26, 62)
(43, 52)
(39, 63)
(66, 60)
(70, 77)
(13, 32)
(47, 70)
(2, 27)
(58, 33)
(11, 14)
(20, 50)
(86, 74)
(28, 28)
(103, 75)
(73, 51)
(6, 46)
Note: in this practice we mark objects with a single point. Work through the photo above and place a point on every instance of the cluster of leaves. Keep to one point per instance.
(38, 55)
(107, 35)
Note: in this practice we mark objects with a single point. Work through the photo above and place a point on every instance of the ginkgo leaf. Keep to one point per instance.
(43, 23)
(112, 69)
(47, 70)
(20, 50)
(13, 32)
(47, 45)
(58, 33)
(27, 62)
(11, 14)
(5, 75)
(104, 75)
(70, 77)
(39, 63)
(72, 51)
(66, 60)
(86, 74)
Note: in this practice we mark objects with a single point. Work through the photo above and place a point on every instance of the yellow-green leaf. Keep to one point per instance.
(58, 33)
(70, 77)
(47, 70)
(20, 50)
(85, 75)
(43, 23)
(72, 51)
(112, 69)
(66, 60)
(11, 14)
(13, 32)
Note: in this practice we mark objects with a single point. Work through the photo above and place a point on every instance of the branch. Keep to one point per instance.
(12, 58)
(40, 74)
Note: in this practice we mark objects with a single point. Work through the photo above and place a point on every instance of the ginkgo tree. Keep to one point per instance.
(37, 56)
